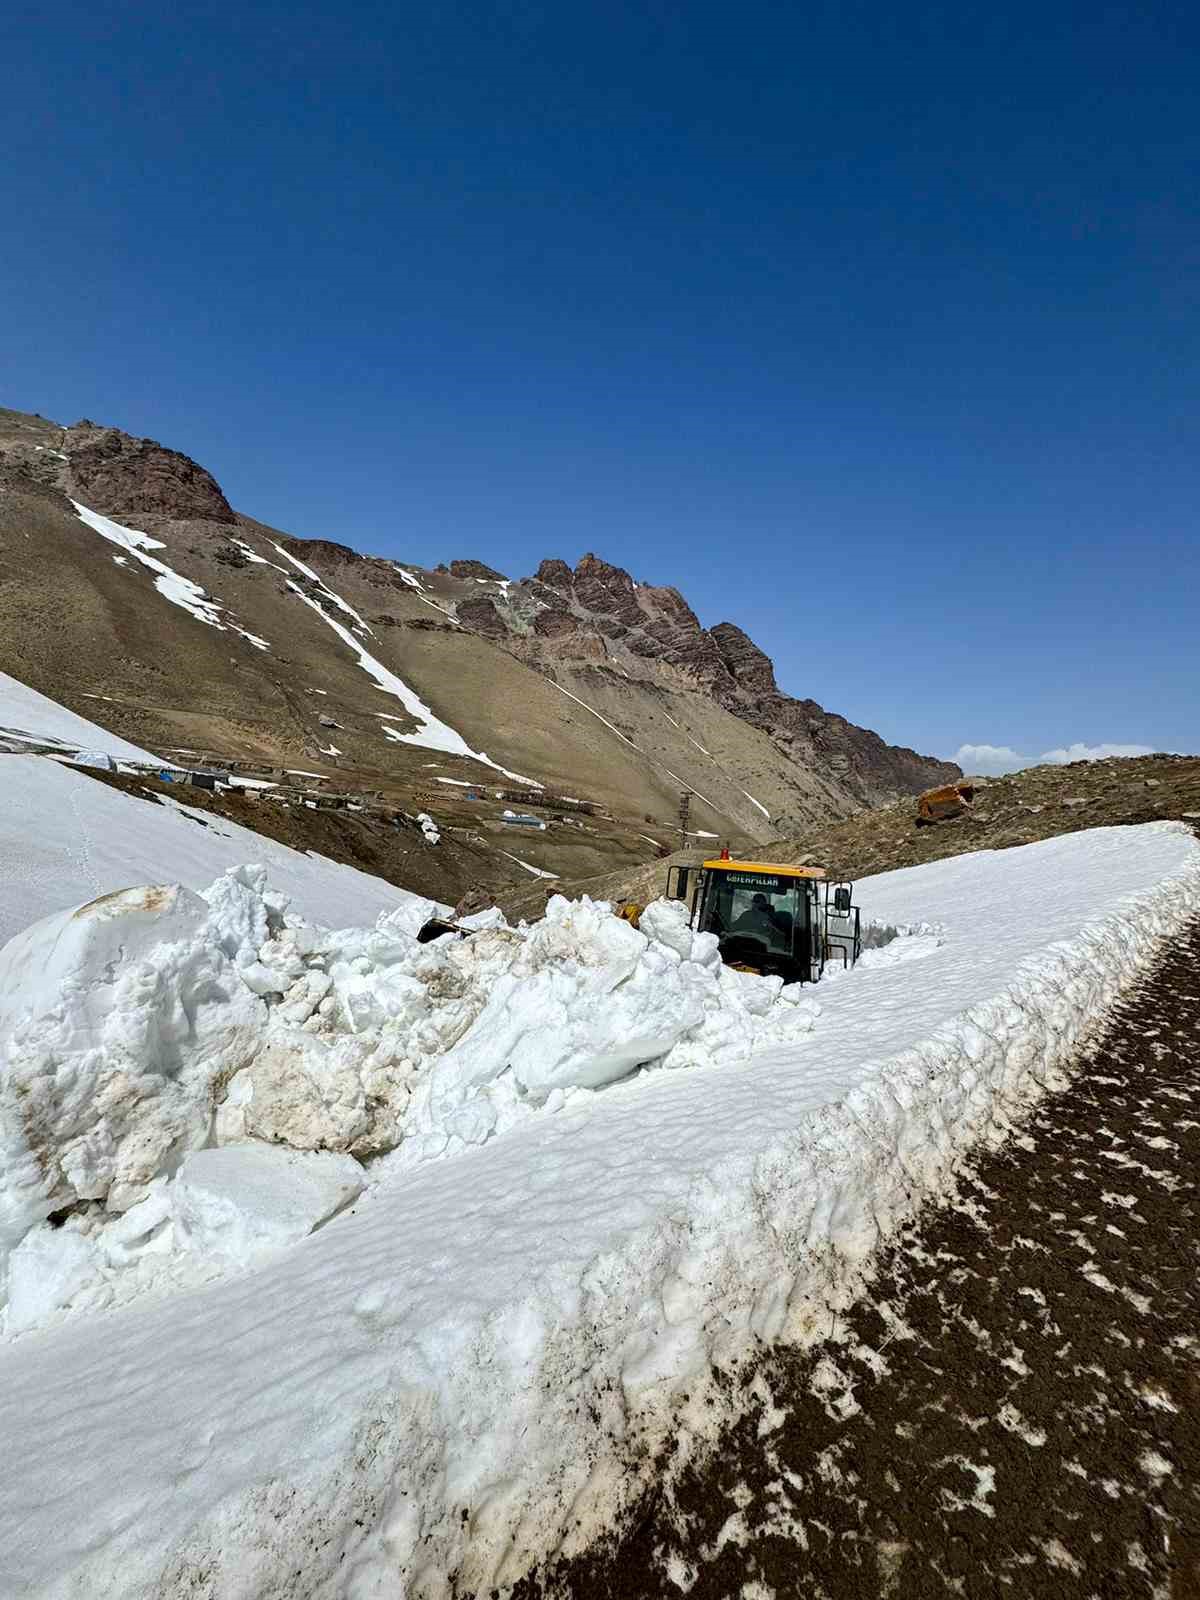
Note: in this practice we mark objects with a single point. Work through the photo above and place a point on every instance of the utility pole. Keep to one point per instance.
(685, 802)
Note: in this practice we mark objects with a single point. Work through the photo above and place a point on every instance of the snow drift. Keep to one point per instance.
(28, 717)
(446, 1376)
(64, 839)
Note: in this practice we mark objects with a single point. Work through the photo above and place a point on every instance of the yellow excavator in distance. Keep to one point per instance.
(774, 919)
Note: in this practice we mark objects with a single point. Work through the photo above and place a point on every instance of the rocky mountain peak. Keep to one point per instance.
(751, 668)
(327, 549)
(554, 574)
(128, 478)
(473, 569)
(685, 705)
(597, 612)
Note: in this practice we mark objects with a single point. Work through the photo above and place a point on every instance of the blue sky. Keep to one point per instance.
(873, 328)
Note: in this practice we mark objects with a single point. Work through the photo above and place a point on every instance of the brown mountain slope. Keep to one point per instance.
(206, 630)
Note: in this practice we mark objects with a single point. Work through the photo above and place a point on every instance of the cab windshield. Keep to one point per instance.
(756, 906)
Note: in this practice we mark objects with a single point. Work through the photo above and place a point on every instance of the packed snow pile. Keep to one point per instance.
(154, 1022)
(116, 1022)
(451, 1370)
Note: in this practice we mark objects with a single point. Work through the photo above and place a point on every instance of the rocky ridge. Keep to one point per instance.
(598, 612)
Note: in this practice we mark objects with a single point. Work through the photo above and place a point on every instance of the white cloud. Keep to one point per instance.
(992, 760)
(1094, 752)
(988, 760)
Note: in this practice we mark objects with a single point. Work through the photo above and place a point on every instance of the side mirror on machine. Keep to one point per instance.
(677, 882)
(841, 901)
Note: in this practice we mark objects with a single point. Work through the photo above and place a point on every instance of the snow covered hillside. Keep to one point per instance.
(65, 839)
(27, 717)
(546, 1247)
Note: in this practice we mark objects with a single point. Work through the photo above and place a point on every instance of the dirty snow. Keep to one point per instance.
(559, 1243)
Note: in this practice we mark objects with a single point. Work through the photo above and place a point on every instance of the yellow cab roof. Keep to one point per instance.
(783, 871)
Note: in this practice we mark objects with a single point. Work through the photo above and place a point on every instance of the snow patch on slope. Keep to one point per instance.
(431, 733)
(329, 594)
(413, 582)
(538, 872)
(170, 584)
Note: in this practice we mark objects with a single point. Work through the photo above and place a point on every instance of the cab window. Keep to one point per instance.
(766, 910)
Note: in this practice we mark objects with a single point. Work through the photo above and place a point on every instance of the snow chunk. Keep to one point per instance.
(247, 1201)
(428, 827)
(47, 1269)
(116, 1020)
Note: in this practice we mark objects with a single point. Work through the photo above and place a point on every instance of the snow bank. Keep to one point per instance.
(152, 1022)
(443, 1380)
(31, 717)
(65, 839)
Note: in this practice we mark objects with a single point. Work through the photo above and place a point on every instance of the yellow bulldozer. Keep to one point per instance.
(774, 919)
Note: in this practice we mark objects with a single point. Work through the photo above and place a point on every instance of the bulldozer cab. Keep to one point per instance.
(769, 918)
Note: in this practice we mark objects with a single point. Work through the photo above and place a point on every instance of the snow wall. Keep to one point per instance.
(462, 1373)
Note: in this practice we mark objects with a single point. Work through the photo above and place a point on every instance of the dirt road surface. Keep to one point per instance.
(1014, 1408)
